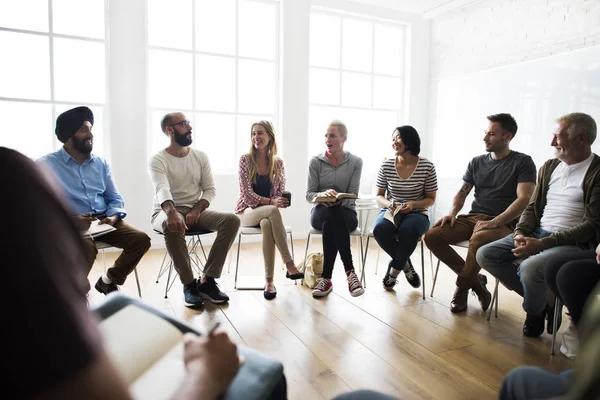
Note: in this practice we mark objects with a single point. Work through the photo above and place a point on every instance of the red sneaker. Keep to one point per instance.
(323, 288)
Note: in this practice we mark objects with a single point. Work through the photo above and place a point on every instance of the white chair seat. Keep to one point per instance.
(101, 245)
(255, 230)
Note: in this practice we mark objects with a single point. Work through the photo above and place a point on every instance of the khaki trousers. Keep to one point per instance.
(226, 226)
(134, 243)
(273, 231)
(438, 240)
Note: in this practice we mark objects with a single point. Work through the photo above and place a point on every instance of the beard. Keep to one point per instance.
(83, 146)
(182, 139)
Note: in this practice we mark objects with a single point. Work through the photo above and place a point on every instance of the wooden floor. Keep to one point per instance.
(394, 342)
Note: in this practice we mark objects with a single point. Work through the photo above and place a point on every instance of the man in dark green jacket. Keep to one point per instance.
(563, 216)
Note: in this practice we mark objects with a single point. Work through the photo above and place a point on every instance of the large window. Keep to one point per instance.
(357, 75)
(217, 62)
(53, 59)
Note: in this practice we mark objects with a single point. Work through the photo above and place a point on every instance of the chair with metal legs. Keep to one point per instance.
(494, 303)
(357, 233)
(557, 310)
(363, 277)
(465, 245)
(196, 262)
(101, 246)
(255, 230)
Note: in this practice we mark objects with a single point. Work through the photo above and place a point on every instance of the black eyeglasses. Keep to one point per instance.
(185, 123)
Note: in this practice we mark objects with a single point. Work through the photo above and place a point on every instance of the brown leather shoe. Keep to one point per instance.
(459, 300)
(484, 295)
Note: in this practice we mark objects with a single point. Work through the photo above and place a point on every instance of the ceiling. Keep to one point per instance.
(425, 8)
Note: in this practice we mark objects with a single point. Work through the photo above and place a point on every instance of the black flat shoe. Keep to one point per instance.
(270, 295)
(299, 275)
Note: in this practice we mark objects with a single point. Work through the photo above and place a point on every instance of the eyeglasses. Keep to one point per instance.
(185, 123)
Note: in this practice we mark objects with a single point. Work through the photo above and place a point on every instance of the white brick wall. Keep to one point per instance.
(491, 33)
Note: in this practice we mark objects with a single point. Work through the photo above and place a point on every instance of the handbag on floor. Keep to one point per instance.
(312, 267)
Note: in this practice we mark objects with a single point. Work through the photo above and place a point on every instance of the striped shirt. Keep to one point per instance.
(423, 180)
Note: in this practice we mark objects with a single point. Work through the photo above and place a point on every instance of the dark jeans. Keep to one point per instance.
(399, 243)
(572, 277)
(525, 383)
(335, 224)
(364, 395)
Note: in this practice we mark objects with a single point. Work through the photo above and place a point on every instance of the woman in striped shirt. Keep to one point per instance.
(407, 184)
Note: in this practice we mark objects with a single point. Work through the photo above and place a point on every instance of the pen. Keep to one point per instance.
(213, 328)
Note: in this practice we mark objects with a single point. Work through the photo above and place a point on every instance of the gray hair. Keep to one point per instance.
(341, 126)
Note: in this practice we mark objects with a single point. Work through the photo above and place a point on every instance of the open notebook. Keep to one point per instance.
(96, 229)
(147, 350)
(146, 346)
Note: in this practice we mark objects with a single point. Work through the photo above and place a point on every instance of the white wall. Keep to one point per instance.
(490, 34)
(129, 122)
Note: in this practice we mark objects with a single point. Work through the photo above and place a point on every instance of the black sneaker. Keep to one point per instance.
(105, 288)
(388, 280)
(411, 276)
(191, 296)
(209, 290)
(534, 325)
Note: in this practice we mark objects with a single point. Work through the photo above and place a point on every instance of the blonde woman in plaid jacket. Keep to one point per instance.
(262, 181)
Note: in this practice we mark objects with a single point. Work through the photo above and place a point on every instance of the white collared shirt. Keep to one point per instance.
(564, 206)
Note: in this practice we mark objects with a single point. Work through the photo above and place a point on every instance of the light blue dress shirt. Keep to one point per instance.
(89, 187)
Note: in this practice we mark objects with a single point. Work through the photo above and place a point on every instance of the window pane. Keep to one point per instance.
(24, 14)
(256, 87)
(389, 50)
(356, 89)
(258, 30)
(27, 75)
(39, 139)
(170, 79)
(79, 18)
(72, 81)
(324, 86)
(215, 26)
(357, 49)
(387, 93)
(244, 123)
(97, 130)
(215, 83)
(324, 40)
(170, 23)
(215, 135)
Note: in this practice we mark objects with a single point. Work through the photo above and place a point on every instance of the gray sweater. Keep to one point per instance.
(343, 179)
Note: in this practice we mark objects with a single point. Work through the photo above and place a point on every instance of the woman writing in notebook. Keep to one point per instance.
(335, 171)
(262, 182)
(406, 187)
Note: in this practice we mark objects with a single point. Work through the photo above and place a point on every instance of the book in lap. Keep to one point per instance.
(97, 229)
(333, 199)
(393, 216)
(146, 346)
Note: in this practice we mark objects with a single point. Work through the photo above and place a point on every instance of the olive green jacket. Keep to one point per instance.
(587, 232)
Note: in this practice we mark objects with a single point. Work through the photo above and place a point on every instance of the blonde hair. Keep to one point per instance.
(580, 124)
(341, 127)
(271, 152)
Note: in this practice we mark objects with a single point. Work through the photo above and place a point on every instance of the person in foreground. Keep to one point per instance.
(87, 183)
(563, 217)
(335, 171)
(407, 185)
(54, 349)
(183, 190)
(262, 183)
(504, 180)
(528, 382)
